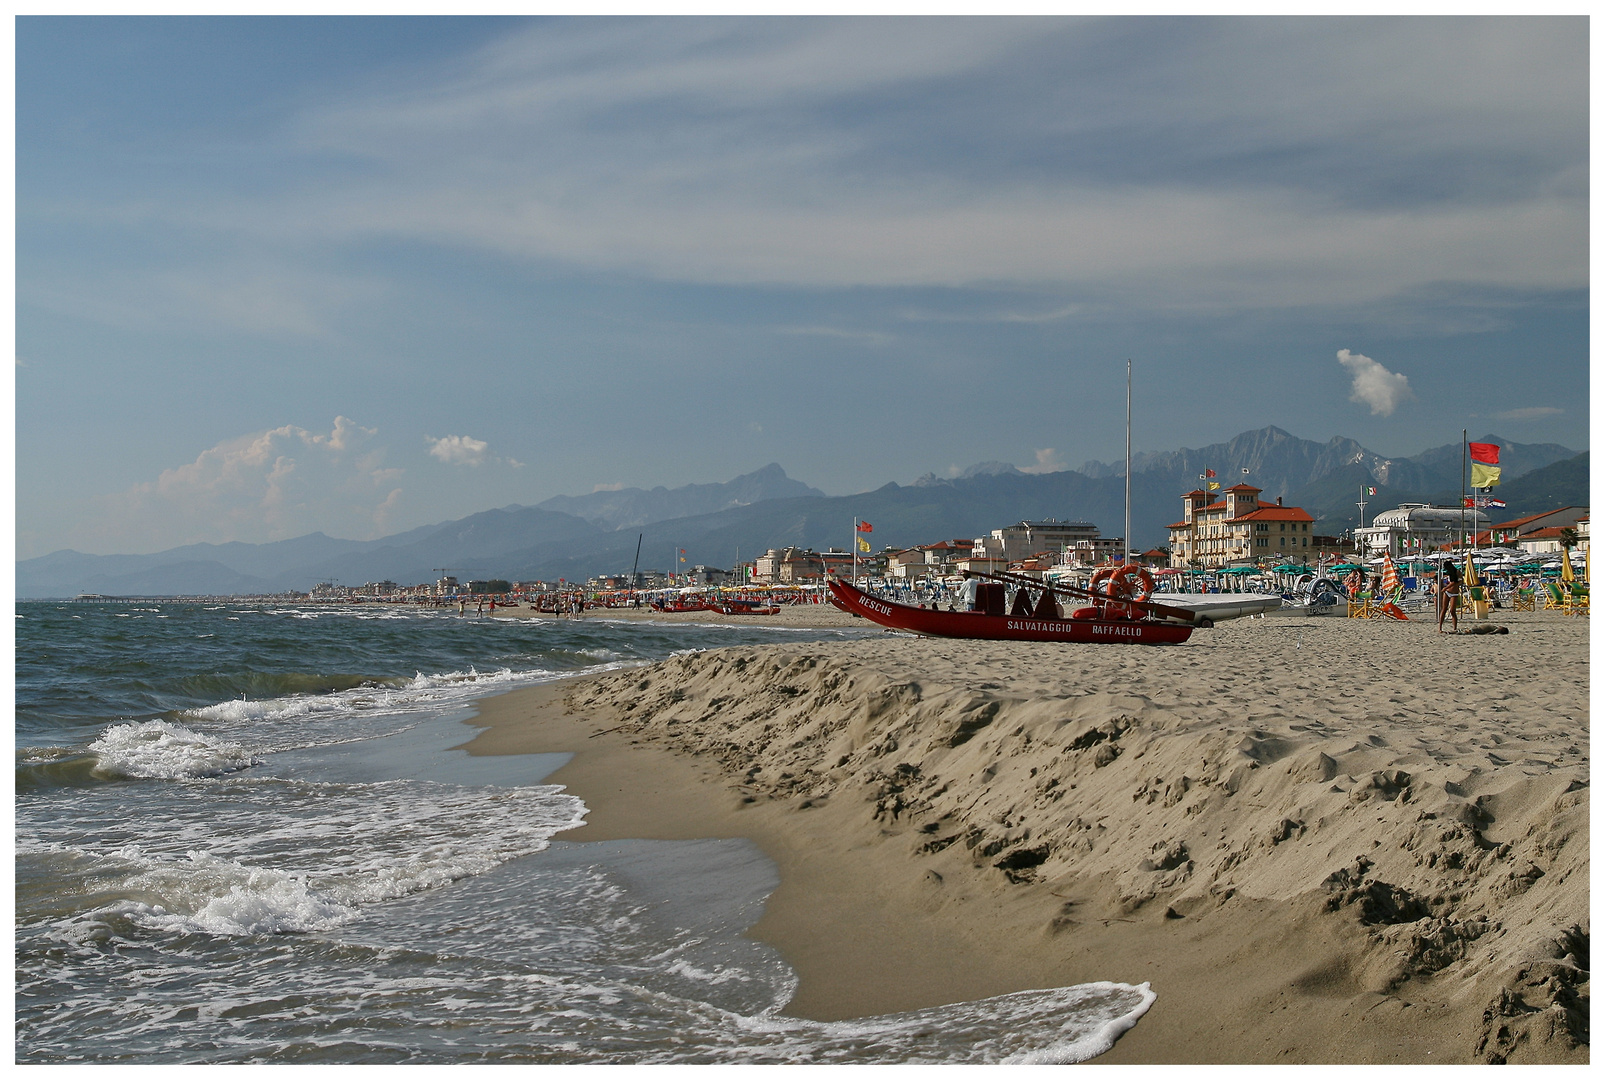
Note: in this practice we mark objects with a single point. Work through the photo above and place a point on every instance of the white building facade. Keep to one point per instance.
(1417, 528)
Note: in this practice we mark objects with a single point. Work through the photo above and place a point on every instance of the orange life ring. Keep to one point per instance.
(1126, 583)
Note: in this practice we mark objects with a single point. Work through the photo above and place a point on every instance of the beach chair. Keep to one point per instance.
(1478, 600)
(1577, 601)
(1553, 597)
(1362, 606)
(1523, 600)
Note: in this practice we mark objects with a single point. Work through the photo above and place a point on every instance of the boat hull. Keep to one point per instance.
(973, 624)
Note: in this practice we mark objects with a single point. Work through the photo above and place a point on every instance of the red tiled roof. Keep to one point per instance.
(1551, 533)
(1177, 525)
(1270, 512)
(1245, 487)
(1519, 522)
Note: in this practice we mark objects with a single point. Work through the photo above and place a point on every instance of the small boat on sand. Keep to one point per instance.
(744, 607)
(1046, 626)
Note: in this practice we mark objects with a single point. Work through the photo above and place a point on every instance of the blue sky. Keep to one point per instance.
(356, 275)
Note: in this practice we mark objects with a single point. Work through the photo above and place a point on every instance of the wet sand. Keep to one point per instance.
(1320, 840)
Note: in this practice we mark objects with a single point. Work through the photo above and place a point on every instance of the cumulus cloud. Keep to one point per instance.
(265, 486)
(1375, 385)
(458, 449)
(1047, 462)
(1536, 412)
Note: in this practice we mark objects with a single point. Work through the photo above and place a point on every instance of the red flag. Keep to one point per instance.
(1485, 452)
(1209, 472)
(864, 526)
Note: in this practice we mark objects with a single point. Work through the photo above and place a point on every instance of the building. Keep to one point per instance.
(806, 565)
(1507, 532)
(1031, 537)
(1097, 550)
(1416, 528)
(707, 575)
(1237, 530)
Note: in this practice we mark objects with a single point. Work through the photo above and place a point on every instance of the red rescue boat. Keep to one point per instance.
(1002, 627)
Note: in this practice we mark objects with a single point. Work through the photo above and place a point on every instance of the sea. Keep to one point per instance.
(245, 832)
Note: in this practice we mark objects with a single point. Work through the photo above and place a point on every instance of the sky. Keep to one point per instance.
(356, 275)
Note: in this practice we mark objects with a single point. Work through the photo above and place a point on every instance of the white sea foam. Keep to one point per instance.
(156, 749)
(1061, 1026)
(285, 857)
(423, 692)
(218, 896)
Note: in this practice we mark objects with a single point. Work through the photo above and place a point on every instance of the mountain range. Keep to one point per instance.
(574, 537)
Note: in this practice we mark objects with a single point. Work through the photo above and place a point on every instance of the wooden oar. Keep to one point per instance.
(1186, 614)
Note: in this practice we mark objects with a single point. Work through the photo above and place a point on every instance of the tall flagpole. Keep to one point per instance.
(1127, 539)
(855, 553)
(1465, 449)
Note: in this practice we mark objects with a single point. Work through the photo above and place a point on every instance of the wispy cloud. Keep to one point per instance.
(466, 450)
(269, 485)
(1375, 385)
(1210, 166)
(1536, 412)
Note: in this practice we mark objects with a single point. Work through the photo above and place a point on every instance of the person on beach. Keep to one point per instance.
(1449, 595)
(972, 588)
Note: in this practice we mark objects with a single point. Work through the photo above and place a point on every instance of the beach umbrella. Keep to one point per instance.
(1471, 573)
(1390, 576)
(1566, 573)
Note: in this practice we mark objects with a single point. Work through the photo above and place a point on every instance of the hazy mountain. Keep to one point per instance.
(748, 518)
(628, 508)
(1563, 483)
(1515, 459)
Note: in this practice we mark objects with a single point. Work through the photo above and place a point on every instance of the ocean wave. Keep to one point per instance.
(294, 858)
(1059, 1026)
(157, 749)
(382, 696)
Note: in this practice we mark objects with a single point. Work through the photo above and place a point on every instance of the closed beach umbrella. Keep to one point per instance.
(1471, 573)
(1390, 575)
(1566, 573)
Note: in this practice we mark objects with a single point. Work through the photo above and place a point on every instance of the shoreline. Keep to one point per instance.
(926, 857)
(789, 617)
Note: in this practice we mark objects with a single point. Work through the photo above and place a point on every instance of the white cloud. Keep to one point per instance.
(1536, 412)
(458, 449)
(266, 486)
(1047, 462)
(1375, 385)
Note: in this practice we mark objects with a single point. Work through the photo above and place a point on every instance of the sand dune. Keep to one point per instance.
(1320, 839)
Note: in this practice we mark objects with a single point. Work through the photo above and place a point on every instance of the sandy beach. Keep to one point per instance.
(1318, 839)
